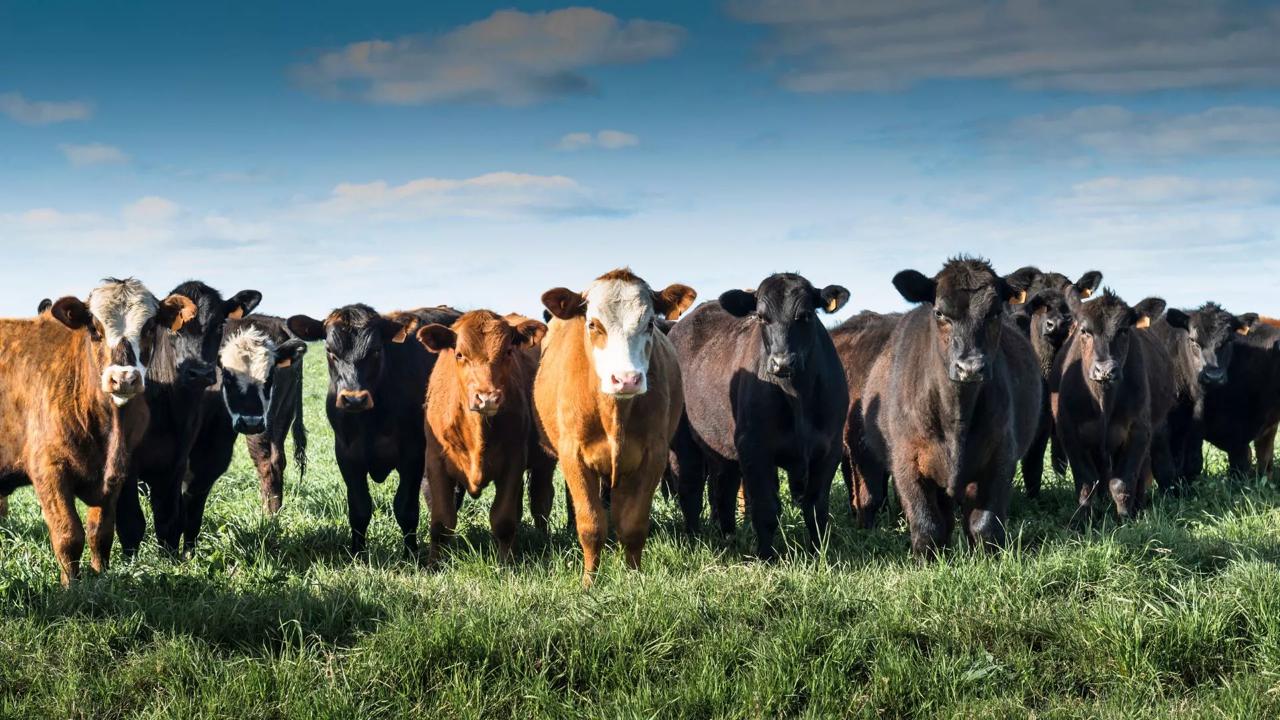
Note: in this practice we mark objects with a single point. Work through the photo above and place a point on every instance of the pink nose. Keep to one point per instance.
(627, 382)
(125, 381)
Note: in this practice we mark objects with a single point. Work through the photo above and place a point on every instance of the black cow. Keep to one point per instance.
(1046, 318)
(183, 368)
(951, 405)
(1200, 343)
(1113, 388)
(377, 387)
(1246, 408)
(764, 390)
(1029, 281)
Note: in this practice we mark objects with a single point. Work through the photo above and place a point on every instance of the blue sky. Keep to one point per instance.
(406, 154)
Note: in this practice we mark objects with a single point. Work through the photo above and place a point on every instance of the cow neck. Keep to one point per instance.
(1045, 353)
(96, 413)
(957, 404)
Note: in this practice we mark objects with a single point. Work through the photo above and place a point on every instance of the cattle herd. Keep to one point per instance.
(123, 391)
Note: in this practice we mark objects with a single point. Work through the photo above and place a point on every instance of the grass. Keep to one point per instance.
(1174, 615)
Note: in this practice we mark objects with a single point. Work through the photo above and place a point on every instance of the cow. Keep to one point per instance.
(764, 389)
(259, 396)
(859, 342)
(951, 405)
(1029, 281)
(1246, 408)
(1112, 389)
(377, 388)
(1200, 344)
(607, 398)
(70, 413)
(479, 424)
(1046, 318)
(181, 374)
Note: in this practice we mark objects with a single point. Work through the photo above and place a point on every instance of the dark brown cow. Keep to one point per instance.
(479, 423)
(1246, 408)
(951, 405)
(1112, 389)
(859, 342)
(69, 414)
(608, 397)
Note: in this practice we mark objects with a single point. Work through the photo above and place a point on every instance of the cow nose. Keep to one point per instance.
(1050, 325)
(355, 400)
(1213, 375)
(969, 369)
(626, 383)
(250, 425)
(200, 374)
(782, 364)
(1105, 372)
(486, 402)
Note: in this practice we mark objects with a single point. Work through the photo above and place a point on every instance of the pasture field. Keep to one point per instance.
(1175, 615)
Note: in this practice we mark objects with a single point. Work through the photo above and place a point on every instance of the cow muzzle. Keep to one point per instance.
(355, 401)
(625, 384)
(1213, 375)
(250, 424)
(197, 374)
(1106, 372)
(487, 402)
(123, 383)
(970, 369)
(783, 365)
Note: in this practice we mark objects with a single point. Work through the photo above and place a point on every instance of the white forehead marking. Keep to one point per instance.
(123, 307)
(621, 306)
(249, 352)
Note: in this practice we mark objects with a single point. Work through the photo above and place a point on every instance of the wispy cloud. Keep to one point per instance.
(1152, 192)
(604, 139)
(1093, 45)
(1118, 131)
(43, 112)
(509, 58)
(93, 154)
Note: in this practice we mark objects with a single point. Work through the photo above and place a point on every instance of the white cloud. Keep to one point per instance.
(497, 195)
(1117, 131)
(509, 58)
(42, 112)
(605, 139)
(1083, 45)
(93, 154)
(1179, 192)
(150, 210)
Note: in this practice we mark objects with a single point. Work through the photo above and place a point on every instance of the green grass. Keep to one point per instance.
(1175, 615)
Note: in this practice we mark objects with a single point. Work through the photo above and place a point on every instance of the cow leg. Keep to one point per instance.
(101, 529)
(166, 507)
(1058, 455)
(407, 504)
(632, 505)
(1264, 447)
(691, 477)
(572, 523)
(270, 472)
(441, 504)
(985, 506)
(195, 498)
(815, 502)
(131, 524)
(359, 506)
(1130, 469)
(924, 503)
(591, 521)
(1240, 460)
(870, 486)
(1161, 464)
(542, 488)
(1033, 463)
(726, 482)
(760, 482)
(65, 531)
(504, 514)
(4, 506)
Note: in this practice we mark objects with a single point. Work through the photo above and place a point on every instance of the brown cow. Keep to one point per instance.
(69, 422)
(608, 399)
(479, 423)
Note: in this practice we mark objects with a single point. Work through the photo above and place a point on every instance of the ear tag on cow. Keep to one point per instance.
(1020, 298)
(1143, 323)
(236, 314)
(1243, 330)
(1087, 292)
(832, 304)
(285, 363)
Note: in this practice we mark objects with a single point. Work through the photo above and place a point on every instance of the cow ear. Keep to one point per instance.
(306, 328)
(1074, 304)
(664, 326)
(530, 333)
(45, 304)
(242, 304)
(833, 298)
(738, 303)
(1247, 322)
(290, 352)
(915, 287)
(72, 312)
(176, 311)
(1088, 283)
(546, 316)
(436, 337)
(673, 300)
(564, 303)
(397, 328)
(1178, 319)
(1148, 311)
(1022, 278)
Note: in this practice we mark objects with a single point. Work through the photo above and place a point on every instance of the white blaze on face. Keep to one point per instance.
(625, 310)
(123, 308)
(247, 358)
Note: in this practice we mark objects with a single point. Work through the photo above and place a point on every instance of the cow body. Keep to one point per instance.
(1046, 319)
(607, 398)
(754, 404)
(952, 404)
(1246, 408)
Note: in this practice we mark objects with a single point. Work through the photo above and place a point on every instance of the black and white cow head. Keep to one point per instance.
(248, 360)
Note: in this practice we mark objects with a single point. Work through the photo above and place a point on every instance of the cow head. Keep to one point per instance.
(355, 338)
(482, 346)
(968, 301)
(196, 345)
(786, 306)
(120, 316)
(248, 359)
(1050, 318)
(1029, 281)
(1105, 328)
(620, 310)
(1210, 331)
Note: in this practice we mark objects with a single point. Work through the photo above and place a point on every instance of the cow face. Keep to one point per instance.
(1029, 281)
(197, 344)
(1210, 331)
(786, 306)
(248, 360)
(355, 338)
(620, 311)
(120, 316)
(482, 347)
(1050, 317)
(968, 301)
(1106, 327)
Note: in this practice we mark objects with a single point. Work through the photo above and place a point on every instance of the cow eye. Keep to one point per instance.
(940, 316)
(1193, 342)
(460, 357)
(764, 319)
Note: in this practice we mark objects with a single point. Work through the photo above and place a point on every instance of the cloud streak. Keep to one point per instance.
(42, 112)
(93, 154)
(1117, 131)
(604, 139)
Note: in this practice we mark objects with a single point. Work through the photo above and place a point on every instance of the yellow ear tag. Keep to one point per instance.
(1143, 323)
(287, 362)
(1243, 331)
(832, 304)
(1086, 292)
(1020, 298)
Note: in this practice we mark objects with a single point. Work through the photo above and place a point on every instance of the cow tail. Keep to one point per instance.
(299, 432)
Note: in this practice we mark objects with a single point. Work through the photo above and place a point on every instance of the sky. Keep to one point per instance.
(416, 153)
